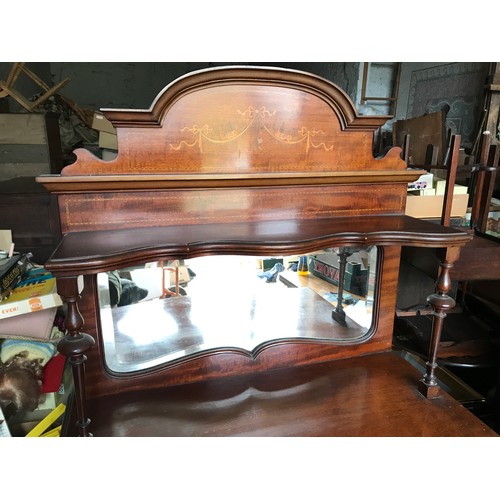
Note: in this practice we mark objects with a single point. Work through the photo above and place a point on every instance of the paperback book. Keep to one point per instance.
(31, 296)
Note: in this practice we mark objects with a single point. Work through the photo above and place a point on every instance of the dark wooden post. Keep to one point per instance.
(73, 346)
(338, 314)
(451, 176)
(441, 303)
(479, 172)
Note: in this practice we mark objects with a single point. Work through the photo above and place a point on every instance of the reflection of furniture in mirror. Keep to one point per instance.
(338, 314)
(235, 162)
(256, 310)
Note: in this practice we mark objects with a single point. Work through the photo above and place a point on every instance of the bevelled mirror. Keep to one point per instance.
(163, 311)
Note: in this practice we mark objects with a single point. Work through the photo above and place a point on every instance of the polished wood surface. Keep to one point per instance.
(97, 251)
(102, 381)
(246, 161)
(237, 321)
(241, 120)
(479, 260)
(130, 182)
(173, 207)
(353, 397)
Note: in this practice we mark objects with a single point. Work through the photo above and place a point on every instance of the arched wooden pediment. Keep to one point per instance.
(242, 120)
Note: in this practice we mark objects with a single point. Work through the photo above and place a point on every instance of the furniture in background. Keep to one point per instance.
(246, 161)
(471, 338)
(30, 145)
(7, 87)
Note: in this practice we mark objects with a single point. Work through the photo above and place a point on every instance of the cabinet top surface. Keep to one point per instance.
(96, 251)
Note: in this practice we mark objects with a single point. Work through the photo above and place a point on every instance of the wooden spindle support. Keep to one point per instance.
(338, 314)
(441, 303)
(73, 346)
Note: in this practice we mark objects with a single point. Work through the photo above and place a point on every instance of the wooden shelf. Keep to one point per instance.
(250, 161)
(96, 251)
(351, 397)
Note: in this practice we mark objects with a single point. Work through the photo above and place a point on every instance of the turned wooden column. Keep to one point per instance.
(441, 303)
(73, 346)
(338, 314)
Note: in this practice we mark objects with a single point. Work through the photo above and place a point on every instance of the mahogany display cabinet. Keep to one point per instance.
(244, 162)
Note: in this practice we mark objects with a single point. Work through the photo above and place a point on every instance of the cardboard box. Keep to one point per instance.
(108, 141)
(432, 206)
(424, 192)
(107, 133)
(440, 186)
(101, 123)
(5, 239)
(32, 297)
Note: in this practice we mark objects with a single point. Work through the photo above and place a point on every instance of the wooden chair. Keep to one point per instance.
(7, 86)
(450, 166)
(483, 182)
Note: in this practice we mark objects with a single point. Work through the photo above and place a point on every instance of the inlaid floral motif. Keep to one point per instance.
(256, 117)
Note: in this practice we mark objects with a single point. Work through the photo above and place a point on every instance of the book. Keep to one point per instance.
(31, 296)
(12, 271)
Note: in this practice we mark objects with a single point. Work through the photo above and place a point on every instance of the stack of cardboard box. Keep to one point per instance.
(426, 197)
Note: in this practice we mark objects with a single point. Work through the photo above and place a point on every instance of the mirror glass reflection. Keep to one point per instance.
(162, 311)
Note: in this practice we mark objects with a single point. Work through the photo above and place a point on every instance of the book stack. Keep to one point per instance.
(30, 310)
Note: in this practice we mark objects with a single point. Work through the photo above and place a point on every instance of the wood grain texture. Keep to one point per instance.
(136, 182)
(243, 120)
(479, 260)
(105, 211)
(227, 362)
(356, 397)
(98, 251)
(246, 161)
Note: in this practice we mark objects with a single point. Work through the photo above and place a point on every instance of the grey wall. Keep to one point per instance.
(428, 87)
(422, 87)
(407, 70)
(135, 85)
